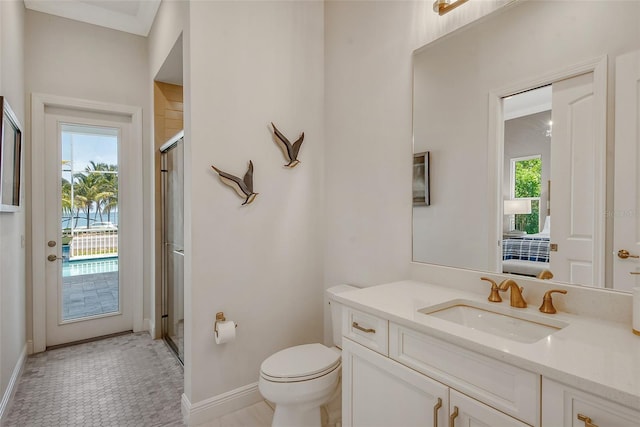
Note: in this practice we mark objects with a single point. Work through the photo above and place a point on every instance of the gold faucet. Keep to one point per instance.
(545, 274)
(495, 295)
(516, 298)
(547, 302)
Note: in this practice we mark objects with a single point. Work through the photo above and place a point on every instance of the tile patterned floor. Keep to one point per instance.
(89, 295)
(130, 380)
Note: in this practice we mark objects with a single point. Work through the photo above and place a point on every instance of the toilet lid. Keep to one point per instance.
(302, 362)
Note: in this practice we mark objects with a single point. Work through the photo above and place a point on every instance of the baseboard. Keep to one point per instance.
(12, 385)
(29, 347)
(217, 406)
(151, 327)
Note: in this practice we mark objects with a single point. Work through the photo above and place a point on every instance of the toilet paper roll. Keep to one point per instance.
(636, 310)
(226, 331)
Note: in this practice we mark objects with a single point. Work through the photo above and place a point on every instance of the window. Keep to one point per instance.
(526, 179)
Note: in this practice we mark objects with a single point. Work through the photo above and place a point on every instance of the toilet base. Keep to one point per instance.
(294, 416)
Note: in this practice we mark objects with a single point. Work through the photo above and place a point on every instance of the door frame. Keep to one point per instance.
(134, 238)
(495, 149)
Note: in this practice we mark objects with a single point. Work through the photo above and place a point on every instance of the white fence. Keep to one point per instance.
(93, 244)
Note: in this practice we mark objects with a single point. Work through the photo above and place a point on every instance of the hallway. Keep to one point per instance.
(129, 380)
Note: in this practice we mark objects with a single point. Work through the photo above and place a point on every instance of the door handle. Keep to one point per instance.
(624, 254)
(53, 257)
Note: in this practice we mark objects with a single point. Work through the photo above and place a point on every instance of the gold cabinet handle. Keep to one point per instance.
(454, 415)
(587, 421)
(360, 328)
(436, 408)
(624, 254)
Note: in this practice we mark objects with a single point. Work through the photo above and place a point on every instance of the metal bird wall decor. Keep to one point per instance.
(290, 150)
(244, 187)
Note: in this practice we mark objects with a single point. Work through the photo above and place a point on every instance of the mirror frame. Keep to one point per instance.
(10, 171)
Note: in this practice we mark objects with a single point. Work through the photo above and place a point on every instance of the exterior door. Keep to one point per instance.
(577, 181)
(626, 220)
(87, 292)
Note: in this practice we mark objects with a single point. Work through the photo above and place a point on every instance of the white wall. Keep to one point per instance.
(12, 225)
(368, 71)
(246, 64)
(167, 27)
(78, 60)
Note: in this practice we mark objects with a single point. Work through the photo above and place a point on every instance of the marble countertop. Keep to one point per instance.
(595, 355)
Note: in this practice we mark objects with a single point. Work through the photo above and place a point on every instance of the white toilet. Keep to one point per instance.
(300, 379)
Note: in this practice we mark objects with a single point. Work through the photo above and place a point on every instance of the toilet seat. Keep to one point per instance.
(300, 363)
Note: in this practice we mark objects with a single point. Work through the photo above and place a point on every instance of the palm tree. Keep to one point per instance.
(97, 187)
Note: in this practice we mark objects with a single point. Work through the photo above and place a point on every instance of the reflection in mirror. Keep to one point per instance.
(486, 153)
(526, 178)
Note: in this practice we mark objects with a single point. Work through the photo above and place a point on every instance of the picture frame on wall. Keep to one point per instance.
(421, 196)
(10, 158)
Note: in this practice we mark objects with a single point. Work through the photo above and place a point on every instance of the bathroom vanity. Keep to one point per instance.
(416, 354)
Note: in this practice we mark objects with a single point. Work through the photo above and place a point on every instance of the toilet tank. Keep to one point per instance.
(336, 311)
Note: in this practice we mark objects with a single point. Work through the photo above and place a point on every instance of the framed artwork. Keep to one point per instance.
(10, 158)
(421, 179)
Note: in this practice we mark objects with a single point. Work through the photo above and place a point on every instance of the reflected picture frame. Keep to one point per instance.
(421, 192)
(10, 158)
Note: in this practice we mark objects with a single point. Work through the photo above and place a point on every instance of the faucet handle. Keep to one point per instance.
(495, 295)
(547, 301)
(545, 275)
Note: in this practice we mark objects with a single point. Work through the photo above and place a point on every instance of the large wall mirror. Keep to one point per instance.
(531, 116)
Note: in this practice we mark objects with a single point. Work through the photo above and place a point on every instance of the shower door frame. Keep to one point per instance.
(171, 144)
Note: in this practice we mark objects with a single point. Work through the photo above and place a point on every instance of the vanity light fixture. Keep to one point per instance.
(445, 6)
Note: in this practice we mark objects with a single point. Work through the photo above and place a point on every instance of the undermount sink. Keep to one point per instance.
(501, 321)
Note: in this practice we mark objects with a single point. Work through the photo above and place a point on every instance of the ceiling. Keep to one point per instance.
(131, 16)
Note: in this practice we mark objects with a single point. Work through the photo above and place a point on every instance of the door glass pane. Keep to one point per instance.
(173, 243)
(89, 226)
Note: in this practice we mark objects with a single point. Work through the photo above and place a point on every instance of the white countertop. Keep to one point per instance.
(595, 355)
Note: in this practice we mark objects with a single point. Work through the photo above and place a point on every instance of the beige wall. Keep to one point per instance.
(251, 63)
(368, 78)
(77, 60)
(12, 225)
(167, 28)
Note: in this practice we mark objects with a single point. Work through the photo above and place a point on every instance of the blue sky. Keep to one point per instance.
(99, 148)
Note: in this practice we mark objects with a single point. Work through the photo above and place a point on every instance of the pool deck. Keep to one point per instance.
(89, 295)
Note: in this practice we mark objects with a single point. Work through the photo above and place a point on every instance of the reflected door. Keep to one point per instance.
(84, 291)
(173, 246)
(577, 181)
(626, 214)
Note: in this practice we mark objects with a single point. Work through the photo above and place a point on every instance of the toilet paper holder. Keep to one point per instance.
(220, 318)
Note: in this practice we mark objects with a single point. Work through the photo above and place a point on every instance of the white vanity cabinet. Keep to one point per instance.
(378, 392)
(566, 406)
(430, 383)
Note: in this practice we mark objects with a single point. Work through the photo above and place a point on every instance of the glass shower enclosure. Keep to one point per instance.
(172, 175)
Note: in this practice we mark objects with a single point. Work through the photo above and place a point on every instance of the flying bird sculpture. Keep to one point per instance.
(290, 150)
(244, 187)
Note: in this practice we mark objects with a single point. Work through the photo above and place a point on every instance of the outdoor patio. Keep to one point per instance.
(89, 295)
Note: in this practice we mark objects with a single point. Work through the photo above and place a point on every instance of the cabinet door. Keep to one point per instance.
(378, 392)
(468, 412)
(565, 406)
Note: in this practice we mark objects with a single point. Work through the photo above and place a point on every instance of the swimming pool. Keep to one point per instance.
(89, 266)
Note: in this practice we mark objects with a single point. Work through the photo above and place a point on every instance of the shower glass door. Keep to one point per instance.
(173, 246)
